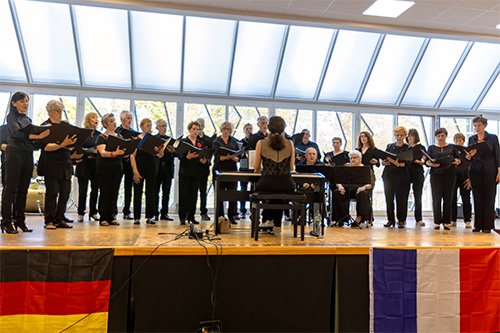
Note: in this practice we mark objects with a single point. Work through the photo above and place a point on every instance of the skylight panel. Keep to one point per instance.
(303, 62)
(48, 38)
(157, 50)
(350, 59)
(394, 62)
(11, 62)
(208, 52)
(256, 59)
(492, 99)
(104, 44)
(477, 69)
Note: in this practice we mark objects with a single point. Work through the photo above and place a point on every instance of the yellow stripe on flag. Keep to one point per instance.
(96, 322)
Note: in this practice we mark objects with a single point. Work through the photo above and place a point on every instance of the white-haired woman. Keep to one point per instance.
(345, 192)
(86, 170)
(226, 162)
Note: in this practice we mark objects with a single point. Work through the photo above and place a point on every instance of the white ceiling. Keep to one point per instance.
(476, 17)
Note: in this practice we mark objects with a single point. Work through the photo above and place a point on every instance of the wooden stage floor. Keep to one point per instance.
(130, 239)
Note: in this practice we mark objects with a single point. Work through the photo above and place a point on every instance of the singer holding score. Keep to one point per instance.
(484, 173)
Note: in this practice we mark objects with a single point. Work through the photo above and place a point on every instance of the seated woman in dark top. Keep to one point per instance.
(345, 192)
(277, 155)
(442, 178)
(366, 146)
(226, 162)
(337, 156)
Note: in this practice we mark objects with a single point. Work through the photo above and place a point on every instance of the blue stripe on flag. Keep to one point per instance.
(394, 290)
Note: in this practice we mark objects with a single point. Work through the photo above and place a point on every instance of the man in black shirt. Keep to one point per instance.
(307, 144)
(128, 172)
(165, 173)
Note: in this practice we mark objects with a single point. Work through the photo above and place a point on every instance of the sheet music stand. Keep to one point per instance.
(349, 175)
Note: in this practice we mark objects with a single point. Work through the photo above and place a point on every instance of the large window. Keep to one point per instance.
(334, 124)
(4, 104)
(239, 116)
(296, 120)
(40, 112)
(156, 111)
(108, 105)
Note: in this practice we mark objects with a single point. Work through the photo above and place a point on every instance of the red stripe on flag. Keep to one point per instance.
(480, 290)
(53, 298)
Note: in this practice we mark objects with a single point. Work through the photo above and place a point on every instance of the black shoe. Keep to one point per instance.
(243, 216)
(22, 226)
(8, 228)
(127, 217)
(487, 231)
(155, 218)
(150, 221)
(236, 217)
(93, 217)
(166, 218)
(476, 230)
(65, 219)
(205, 217)
(390, 224)
(233, 221)
(63, 225)
(194, 222)
(183, 222)
(401, 225)
(137, 222)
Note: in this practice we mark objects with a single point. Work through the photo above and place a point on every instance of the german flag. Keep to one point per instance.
(49, 291)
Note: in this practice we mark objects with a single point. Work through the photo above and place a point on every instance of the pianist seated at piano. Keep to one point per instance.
(337, 156)
(346, 192)
(311, 159)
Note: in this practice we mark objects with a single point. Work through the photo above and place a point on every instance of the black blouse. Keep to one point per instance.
(15, 138)
(191, 167)
(226, 165)
(339, 159)
(415, 168)
(438, 152)
(489, 162)
(368, 155)
(391, 170)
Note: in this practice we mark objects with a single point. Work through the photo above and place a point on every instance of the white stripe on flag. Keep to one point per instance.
(438, 290)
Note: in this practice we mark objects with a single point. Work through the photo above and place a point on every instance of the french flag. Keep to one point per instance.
(435, 290)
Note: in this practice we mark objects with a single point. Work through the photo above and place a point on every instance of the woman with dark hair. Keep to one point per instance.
(18, 164)
(145, 169)
(484, 173)
(396, 180)
(442, 178)
(86, 170)
(462, 183)
(226, 162)
(366, 145)
(109, 172)
(416, 173)
(190, 171)
(278, 159)
(337, 156)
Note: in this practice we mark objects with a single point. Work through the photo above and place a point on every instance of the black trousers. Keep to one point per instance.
(128, 175)
(442, 190)
(231, 211)
(244, 187)
(484, 189)
(163, 182)
(417, 183)
(188, 193)
(148, 174)
(341, 204)
(394, 187)
(18, 172)
(56, 197)
(203, 192)
(109, 174)
(466, 203)
(83, 184)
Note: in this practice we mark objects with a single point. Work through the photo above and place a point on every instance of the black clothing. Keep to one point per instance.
(57, 171)
(310, 144)
(128, 174)
(17, 139)
(190, 173)
(146, 165)
(85, 172)
(164, 180)
(482, 173)
(368, 155)
(417, 178)
(109, 174)
(443, 180)
(396, 185)
(339, 159)
(226, 165)
(206, 143)
(465, 194)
